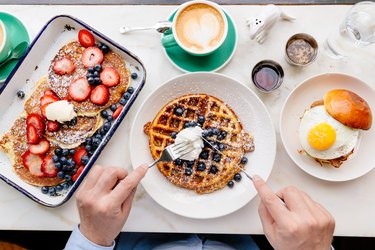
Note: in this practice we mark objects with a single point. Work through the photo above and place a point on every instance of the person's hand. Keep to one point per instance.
(104, 201)
(300, 224)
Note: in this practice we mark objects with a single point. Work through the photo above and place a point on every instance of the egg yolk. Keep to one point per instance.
(322, 136)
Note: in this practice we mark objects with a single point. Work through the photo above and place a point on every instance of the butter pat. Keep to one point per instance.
(61, 111)
(192, 136)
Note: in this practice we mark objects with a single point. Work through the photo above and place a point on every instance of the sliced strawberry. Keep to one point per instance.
(64, 66)
(79, 90)
(85, 38)
(48, 167)
(33, 134)
(77, 174)
(47, 99)
(66, 98)
(33, 163)
(110, 77)
(52, 126)
(79, 154)
(117, 112)
(50, 92)
(92, 56)
(43, 109)
(100, 95)
(41, 148)
(37, 121)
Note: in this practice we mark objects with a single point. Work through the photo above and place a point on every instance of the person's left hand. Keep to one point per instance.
(104, 201)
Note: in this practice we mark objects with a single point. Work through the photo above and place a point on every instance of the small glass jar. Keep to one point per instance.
(267, 75)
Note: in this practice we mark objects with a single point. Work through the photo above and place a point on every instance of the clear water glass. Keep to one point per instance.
(356, 31)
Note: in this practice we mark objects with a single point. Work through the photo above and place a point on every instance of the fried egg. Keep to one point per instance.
(323, 137)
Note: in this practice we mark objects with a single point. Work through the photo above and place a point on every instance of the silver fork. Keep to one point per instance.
(174, 151)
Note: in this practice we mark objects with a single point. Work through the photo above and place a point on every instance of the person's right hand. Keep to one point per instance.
(300, 224)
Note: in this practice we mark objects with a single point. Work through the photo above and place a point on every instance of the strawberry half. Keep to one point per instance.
(33, 163)
(117, 112)
(79, 154)
(37, 121)
(33, 134)
(85, 38)
(41, 148)
(77, 174)
(92, 56)
(110, 77)
(100, 95)
(50, 92)
(48, 167)
(79, 90)
(52, 126)
(47, 99)
(64, 66)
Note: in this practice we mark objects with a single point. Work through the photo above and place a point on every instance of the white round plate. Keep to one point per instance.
(299, 100)
(255, 119)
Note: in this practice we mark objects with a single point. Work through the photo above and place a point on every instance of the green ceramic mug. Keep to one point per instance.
(5, 44)
(199, 28)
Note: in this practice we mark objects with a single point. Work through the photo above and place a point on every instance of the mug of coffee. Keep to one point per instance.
(5, 44)
(199, 28)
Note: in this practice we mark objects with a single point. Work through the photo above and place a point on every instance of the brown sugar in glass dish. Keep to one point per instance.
(301, 50)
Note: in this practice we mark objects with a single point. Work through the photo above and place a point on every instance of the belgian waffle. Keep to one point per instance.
(60, 83)
(216, 115)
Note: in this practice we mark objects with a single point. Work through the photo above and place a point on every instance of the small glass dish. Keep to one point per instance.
(267, 76)
(301, 50)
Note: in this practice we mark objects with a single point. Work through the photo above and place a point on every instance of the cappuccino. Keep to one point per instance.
(1, 36)
(200, 27)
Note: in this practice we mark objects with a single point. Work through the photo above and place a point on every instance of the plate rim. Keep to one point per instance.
(211, 74)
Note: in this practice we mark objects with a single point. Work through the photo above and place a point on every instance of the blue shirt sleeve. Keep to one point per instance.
(78, 241)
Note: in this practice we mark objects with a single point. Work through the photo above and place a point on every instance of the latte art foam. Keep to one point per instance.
(200, 27)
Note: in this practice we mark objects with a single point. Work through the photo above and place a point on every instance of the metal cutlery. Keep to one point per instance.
(174, 151)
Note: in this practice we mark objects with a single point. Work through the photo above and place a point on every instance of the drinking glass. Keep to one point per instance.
(356, 31)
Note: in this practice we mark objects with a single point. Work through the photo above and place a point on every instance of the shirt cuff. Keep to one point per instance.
(78, 241)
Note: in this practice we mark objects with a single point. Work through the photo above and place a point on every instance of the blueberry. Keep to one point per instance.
(73, 172)
(104, 48)
(192, 124)
(178, 111)
(204, 155)
(220, 137)
(109, 118)
(186, 124)
(230, 184)
(208, 132)
(98, 68)
(190, 164)
(96, 74)
(88, 148)
(97, 81)
(20, 94)
(85, 159)
(104, 114)
(44, 190)
(63, 160)
(90, 75)
(55, 158)
(88, 141)
(134, 75)
(90, 70)
(72, 152)
(126, 96)
(71, 162)
(65, 168)
(178, 162)
(72, 122)
(65, 152)
(107, 126)
(67, 177)
(173, 135)
(244, 160)
(123, 101)
(90, 80)
(59, 188)
(130, 90)
(95, 142)
(237, 177)
(51, 191)
(201, 119)
(58, 151)
(224, 134)
(113, 107)
(188, 171)
(98, 136)
(222, 147)
(66, 185)
(212, 144)
(201, 166)
(60, 174)
(102, 131)
(215, 131)
(216, 157)
(58, 165)
(213, 169)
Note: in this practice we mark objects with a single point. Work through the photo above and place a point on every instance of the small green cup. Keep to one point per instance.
(5, 43)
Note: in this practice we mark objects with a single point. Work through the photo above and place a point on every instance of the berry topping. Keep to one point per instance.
(48, 167)
(173, 135)
(207, 133)
(117, 112)
(200, 119)
(110, 77)
(72, 152)
(215, 131)
(130, 90)
(53, 126)
(85, 38)
(20, 94)
(58, 151)
(33, 163)
(244, 160)
(213, 169)
(79, 90)
(48, 99)
(41, 148)
(37, 121)
(230, 184)
(178, 162)
(216, 157)
(72, 122)
(92, 56)
(113, 107)
(103, 47)
(188, 171)
(65, 152)
(123, 101)
(64, 66)
(90, 70)
(60, 174)
(204, 155)
(79, 154)
(77, 174)
(126, 96)
(98, 68)
(44, 190)
(100, 95)
(33, 134)
(237, 177)
(201, 166)
(134, 76)
(85, 159)
(178, 111)
(104, 114)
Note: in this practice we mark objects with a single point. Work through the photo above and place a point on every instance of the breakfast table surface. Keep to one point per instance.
(350, 202)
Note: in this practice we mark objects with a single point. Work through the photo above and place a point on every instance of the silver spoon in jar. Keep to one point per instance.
(161, 27)
(16, 53)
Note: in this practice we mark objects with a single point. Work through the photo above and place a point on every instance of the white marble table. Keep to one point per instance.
(351, 203)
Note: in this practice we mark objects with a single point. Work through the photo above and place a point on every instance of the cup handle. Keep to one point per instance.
(168, 41)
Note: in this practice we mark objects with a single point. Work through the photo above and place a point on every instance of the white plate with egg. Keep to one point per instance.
(255, 119)
(295, 136)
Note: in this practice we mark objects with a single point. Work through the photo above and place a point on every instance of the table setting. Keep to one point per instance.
(261, 68)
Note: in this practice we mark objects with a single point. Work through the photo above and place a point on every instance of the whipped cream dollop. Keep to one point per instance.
(192, 136)
(61, 111)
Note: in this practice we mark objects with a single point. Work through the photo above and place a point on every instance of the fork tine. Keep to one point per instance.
(184, 152)
(177, 146)
(184, 149)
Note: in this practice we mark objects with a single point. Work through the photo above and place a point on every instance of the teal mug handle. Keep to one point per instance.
(168, 41)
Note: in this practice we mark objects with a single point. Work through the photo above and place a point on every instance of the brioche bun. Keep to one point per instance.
(348, 108)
